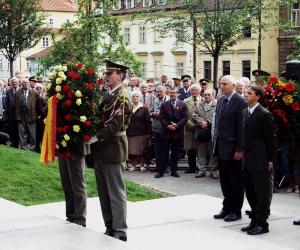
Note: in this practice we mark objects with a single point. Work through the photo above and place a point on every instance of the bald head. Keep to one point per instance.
(227, 85)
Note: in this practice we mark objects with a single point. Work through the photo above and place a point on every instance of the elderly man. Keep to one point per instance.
(147, 98)
(28, 106)
(204, 84)
(10, 107)
(190, 144)
(240, 87)
(228, 148)
(33, 81)
(133, 84)
(203, 118)
(177, 82)
(185, 92)
(163, 80)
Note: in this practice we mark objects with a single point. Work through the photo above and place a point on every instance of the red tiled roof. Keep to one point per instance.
(40, 54)
(59, 5)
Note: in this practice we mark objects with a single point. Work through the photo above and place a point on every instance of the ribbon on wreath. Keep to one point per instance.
(49, 137)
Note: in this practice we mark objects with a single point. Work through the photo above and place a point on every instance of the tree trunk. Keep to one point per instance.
(11, 67)
(215, 71)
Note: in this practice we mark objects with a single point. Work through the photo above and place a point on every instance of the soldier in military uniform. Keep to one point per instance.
(110, 152)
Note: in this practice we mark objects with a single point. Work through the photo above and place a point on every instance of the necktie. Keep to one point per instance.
(144, 98)
(248, 115)
(224, 105)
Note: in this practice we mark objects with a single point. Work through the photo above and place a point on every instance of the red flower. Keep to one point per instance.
(280, 113)
(68, 103)
(73, 74)
(68, 117)
(89, 86)
(290, 87)
(99, 82)
(296, 106)
(66, 128)
(79, 66)
(70, 94)
(68, 155)
(273, 79)
(59, 130)
(86, 138)
(66, 88)
(88, 123)
(90, 71)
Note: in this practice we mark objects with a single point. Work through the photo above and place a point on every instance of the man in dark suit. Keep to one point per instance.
(10, 107)
(185, 92)
(258, 160)
(173, 117)
(228, 148)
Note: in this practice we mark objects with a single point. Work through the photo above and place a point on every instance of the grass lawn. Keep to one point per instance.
(24, 180)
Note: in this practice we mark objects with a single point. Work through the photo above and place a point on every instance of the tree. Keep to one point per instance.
(295, 55)
(215, 26)
(90, 39)
(22, 24)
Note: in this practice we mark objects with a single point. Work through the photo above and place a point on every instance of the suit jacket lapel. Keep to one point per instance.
(229, 105)
(254, 114)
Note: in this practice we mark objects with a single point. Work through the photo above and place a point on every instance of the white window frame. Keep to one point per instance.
(226, 60)
(28, 65)
(157, 69)
(180, 68)
(244, 60)
(45, 42)
(131, 4)
(161, 2)
(211, 68)
(1, 64)
(147, 3)
(51, 21)
(142, 34)
(156, 35)
(295, 16)
(127, 35)
(144, 70)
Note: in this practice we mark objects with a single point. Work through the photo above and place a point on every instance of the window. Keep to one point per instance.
(27, 65)
(247, 31)
(246, 68)
(142, 34)
(129, 4)
(156, 35)
(179, 68)
(157, 69)
(1, 63)
(161, 2)
(45, 41)
(147, 3)
(127, 35)
(144, 70)
(226, 68)
(51, 22)
(207, 70)
(295, 19)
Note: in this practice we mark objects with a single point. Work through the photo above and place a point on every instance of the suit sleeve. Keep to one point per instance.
(267, 125)
(184, 119)
(147, 121)
(239, 117)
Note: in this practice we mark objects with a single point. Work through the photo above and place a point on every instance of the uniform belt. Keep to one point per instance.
(121, 133)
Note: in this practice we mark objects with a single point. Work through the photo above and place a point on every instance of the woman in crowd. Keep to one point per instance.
(138, 132)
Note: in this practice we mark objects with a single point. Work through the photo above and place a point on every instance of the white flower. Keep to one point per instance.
(66, 137)
(83, 118)
(76, 128)
(78, 102)
(49, 86)
(78, 93)
(59, 96)
(58, 80)
(65, 68)
(58, 88)
(64, 143)
(61, 74)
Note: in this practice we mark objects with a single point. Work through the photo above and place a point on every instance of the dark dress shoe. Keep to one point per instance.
(159, 175)
(232, 217)
(109, 231)
(119, 235)
(257, 230)
(70, 220)
(190, 171)
(296, 222)
(175, 174)
(248, 228)
(221, 215)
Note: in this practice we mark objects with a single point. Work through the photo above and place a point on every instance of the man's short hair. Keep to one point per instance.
(195, 86)
(160, 87)
(258, 90)
(230, 78)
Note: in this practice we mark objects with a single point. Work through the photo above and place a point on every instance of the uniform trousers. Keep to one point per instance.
(259, 191)
(72, 180)
(112, 194)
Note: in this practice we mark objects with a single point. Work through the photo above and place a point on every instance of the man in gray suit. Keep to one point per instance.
(228, 148)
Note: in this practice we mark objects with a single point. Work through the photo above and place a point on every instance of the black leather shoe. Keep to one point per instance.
(70, 220)
(175, 174)
(232, 217)
(108, 231)
(248, 228)
(119, 235)
(159, 175)
(221, 215)
(257, 230)
(190, 171)
(296, 222)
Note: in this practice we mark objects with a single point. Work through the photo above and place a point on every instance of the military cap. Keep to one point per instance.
(111, 66)
(259, 72)
(203, 81)
(186, 77)
(176, 78)
(33, 79)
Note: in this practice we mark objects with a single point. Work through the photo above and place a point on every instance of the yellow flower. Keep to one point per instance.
(76, 128)
(288, 99)
(59, 96)
(83, 118)
(66, 137)
(78, 102)
(78, 93)
(58, 80)
(64, 143)
(281, 83)
(58, 88)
